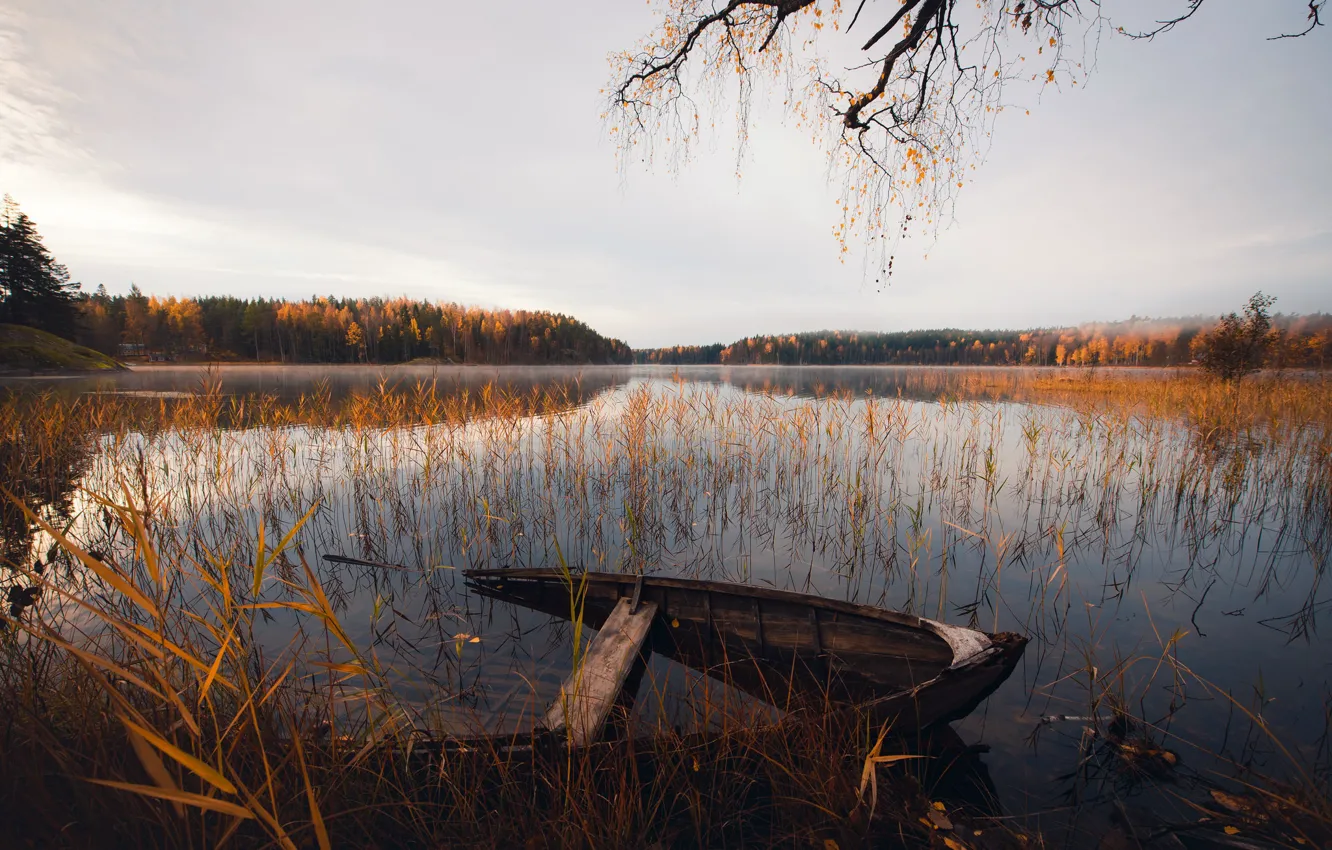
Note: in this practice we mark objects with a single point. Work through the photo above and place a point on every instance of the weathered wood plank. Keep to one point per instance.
(587, 696)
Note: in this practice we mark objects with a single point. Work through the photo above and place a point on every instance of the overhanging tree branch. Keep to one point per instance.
(907, 142)
(1315, 8)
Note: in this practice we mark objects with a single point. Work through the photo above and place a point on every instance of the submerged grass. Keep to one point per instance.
(148, 702)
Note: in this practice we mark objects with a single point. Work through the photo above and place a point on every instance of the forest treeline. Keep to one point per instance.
(333, 330)
(1296, 341)
(36, 291)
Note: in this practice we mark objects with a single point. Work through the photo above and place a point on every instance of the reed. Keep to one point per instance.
(186, 641)
(1139, 762)
(149, 714)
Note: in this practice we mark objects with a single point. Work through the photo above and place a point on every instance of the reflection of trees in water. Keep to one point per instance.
(922, 384)
(419, 401)
(208, 402)
(47, 439)
(287, 385)
(41, 463)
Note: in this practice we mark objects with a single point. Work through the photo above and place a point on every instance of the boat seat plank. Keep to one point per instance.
(587, 695)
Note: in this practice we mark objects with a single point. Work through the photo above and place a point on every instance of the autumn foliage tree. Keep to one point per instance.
(904, 124)
(336, 330)
(1299, 341)
(355, 339)
(1238, 344)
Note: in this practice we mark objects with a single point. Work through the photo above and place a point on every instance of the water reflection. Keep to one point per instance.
(41, 472)
(1108, 538)
(289, 382)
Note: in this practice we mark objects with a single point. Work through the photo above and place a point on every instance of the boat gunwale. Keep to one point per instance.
(871, 612)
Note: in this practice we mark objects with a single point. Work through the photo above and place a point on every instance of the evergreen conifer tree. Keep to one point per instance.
(35, 290)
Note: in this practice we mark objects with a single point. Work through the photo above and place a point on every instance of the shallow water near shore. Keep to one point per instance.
(1140, 556)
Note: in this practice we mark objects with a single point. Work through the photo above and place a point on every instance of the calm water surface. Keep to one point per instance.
(1112, 542)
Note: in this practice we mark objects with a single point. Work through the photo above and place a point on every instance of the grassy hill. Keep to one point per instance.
(28, 349)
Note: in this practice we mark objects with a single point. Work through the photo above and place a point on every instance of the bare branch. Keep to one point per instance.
(1167, 24)
(923, 23)
(892, 22)
(859, 8)
(1315, 8)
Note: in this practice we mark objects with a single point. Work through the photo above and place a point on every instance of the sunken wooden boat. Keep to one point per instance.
(781, 646)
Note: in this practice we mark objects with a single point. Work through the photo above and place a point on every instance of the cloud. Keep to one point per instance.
(30, 103)
(457, 153)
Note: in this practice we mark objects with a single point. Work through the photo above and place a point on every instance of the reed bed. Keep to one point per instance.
(141, 722)
(188, 642)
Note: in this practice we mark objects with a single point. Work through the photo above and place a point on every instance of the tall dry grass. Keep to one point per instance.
(147, 714)
(184, 646)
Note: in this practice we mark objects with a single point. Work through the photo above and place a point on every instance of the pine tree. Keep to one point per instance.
(35, 290)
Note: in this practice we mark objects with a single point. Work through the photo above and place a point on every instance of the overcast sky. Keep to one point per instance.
(455, 152)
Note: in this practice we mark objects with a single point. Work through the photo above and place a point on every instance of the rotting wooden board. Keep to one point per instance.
(587, 695)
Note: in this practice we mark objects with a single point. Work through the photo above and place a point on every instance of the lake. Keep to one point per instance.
(1160, 566)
